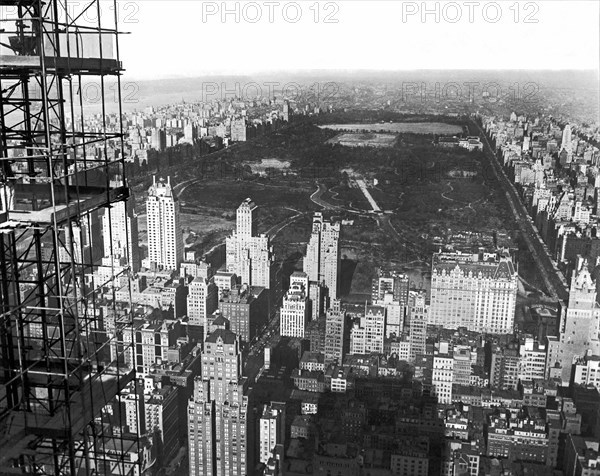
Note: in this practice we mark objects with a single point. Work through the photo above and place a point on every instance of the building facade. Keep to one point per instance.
(165, 240)
(248, 255)
(218, 415)
(202, 300)
(476, 291)
(294, 312)
(271, 430)
(322, 260)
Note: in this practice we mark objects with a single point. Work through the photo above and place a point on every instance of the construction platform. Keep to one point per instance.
(58, 65)
(24, 428)
(79, 200)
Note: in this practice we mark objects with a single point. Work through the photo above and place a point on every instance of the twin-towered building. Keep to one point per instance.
(322, 260)
(249, 255)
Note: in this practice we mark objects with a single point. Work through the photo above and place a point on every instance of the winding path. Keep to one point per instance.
(451, 189)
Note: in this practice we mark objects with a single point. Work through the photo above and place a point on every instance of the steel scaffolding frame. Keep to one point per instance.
(60, 368)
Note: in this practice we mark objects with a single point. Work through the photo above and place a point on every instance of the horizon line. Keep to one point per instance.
(354, 71)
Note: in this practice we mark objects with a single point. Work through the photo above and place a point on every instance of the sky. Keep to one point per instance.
(174, 38)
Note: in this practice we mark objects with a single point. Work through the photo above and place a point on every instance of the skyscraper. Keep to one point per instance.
(294, 311)
(271, 430)
(120, 234)
(367, 334)
(249, 256)
(322, 259)
(567, 138)
(202, 300)
(165, 240)
(578, 331)
(218, 411)
(417, 323)
(334, 335)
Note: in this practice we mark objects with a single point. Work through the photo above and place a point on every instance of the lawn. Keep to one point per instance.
(400, 127)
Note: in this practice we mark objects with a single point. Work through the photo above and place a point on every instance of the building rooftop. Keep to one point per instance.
(226, 336)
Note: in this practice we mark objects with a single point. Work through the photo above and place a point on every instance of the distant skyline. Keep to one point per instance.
(175, 42)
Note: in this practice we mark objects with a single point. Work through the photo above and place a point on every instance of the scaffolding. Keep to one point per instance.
(61, 168)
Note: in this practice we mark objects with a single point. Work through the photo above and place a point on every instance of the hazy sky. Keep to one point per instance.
(171, 38)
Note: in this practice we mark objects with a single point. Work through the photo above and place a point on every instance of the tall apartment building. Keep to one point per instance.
(367, 335)
(578, 328)
(218, 413)
(248, 255)
(165, 240)
(390, 290)
(504, 368)
(335, 321)
(476, 291)
(316, 292)
(294, 312)
(162, 416)
(462, 366)
(202, 301)
(443, 373)
(120, 233)
(159, 139)
(358, 337)
(532, 360)
(374, 329)
(394, 315)
(566, 142)
(271, 430)
(152, 339)
(417, 323)
(392, 283)
(322, 259)
(246, 309)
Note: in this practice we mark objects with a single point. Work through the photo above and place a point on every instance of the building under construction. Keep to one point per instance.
(64, 360)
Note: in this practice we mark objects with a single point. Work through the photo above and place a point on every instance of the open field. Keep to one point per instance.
(368, 139)
(226, 195)
(266, 166)
(400, 127)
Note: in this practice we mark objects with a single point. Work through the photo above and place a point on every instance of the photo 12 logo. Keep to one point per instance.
(470, 12)
(253, 90)
(86, 13)
(91, 92)
(270, 12)
(470, 91)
